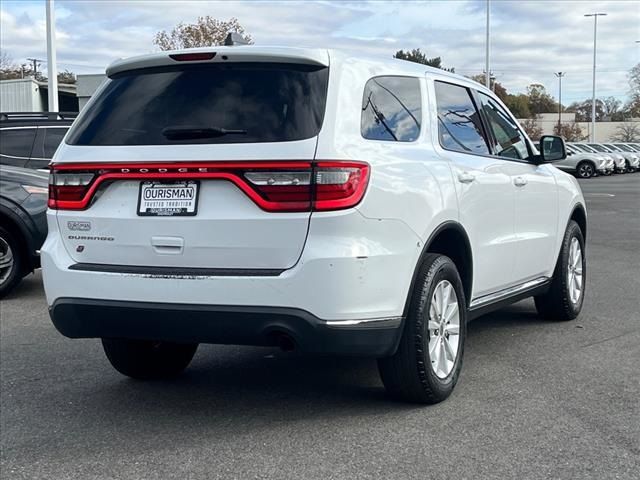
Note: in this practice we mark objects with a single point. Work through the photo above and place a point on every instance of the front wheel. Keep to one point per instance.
(426, 366)
(565, 297)
(585, 170)
(146, 360)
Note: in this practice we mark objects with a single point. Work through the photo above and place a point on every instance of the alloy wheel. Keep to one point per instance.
(585, 171)
(444, 329)
(6, 260)
(574, 271)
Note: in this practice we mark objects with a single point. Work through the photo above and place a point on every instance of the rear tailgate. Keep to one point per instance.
(235, 169)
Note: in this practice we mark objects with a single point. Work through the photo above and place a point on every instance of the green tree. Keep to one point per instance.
(496, 86)
(539, 100)
(417, 56)
(583, 110)
(205, 32)
(519, 105)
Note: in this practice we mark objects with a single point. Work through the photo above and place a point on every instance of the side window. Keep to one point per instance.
(508, 140)
(15, 145)
(391, 109)
(459, 125)
(52, 138)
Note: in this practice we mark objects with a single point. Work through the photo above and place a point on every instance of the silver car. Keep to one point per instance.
(610, 164)
(621, 162)
(631, 156)
(581, 164)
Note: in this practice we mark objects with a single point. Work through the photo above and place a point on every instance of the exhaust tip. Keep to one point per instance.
(284, 341)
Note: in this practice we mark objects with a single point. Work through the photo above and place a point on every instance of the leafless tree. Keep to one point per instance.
(571, 132)
(531, 127)
(627, 132)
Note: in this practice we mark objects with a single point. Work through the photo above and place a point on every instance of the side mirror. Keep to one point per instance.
(552, 149)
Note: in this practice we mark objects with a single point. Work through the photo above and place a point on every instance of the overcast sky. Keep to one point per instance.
(530, 40)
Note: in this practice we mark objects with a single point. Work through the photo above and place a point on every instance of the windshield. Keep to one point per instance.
(625, 148)
(615, 148)
(266, 102)
(598, 148)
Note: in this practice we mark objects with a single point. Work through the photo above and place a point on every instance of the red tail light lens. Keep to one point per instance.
(339, 185)
(66, 189)
(273, 186)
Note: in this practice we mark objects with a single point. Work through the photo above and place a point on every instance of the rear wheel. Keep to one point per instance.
(564, 299)
(144, 359)
(11, 262)
(585, 170)
(426, 366)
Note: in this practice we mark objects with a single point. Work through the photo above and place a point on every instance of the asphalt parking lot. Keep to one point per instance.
(535, 399)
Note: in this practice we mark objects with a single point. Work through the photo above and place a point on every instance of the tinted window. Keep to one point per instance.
(599, 148)
(15, 145)
(507, 139)
(51, 138)
(625, 148)
(266, 102)
(459, 123)
(391, 109)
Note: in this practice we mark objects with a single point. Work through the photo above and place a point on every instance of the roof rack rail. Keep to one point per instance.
(37, 115)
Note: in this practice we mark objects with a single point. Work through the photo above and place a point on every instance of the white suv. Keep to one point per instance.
(310, 199)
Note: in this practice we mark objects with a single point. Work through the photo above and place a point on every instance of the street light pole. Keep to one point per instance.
(487, 78)
(593, 95)
(560, 75)
(52, 70)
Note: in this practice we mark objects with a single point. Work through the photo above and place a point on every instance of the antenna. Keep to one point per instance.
(234, 38)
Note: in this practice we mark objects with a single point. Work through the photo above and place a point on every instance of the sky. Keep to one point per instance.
(530, 40)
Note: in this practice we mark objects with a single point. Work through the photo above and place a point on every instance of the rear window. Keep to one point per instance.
(233, 103)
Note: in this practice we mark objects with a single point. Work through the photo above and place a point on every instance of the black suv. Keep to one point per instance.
(23, 223)
(29, 139)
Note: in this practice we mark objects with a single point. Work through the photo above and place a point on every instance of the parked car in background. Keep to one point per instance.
(29, 139)
(632, 158)
(609, 162)
(319, 216)
(23, 224)
(620, 161)
(581, 164)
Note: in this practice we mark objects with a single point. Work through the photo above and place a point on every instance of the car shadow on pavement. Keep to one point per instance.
(245, 382)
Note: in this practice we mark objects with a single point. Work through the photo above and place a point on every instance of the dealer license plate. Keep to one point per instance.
(168, 199)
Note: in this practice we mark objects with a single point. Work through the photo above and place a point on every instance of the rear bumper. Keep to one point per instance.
(236, 325)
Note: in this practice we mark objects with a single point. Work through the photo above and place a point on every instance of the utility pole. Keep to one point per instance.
(593, 95)
(559, 75)
(51, 57)
(487, 78)
(35, 62)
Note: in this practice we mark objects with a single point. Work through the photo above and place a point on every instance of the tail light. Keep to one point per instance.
(273, 186)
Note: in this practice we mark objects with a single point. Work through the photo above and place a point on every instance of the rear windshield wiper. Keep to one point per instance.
(188, 132)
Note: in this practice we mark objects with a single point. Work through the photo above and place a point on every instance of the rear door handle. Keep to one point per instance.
(519, 181)
(466, 177)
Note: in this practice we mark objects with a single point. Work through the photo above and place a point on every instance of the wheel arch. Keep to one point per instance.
(450, 239)
(579, 215)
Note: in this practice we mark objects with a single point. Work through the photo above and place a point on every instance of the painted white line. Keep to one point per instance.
(599, 194)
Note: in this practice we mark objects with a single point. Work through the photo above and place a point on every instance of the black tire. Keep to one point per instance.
(11, 275)
(585, 169)
(148, 360)
(408, 374)
(557, 304)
